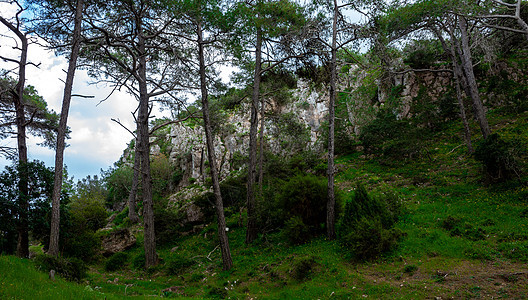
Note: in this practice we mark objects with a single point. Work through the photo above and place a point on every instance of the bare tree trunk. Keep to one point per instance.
(457, 76)
(23, 200)
(61, 136)
(261, 145)
(23, 226)
(222, 235)
(132, 215)
(467, 65)
(251, 233)
(143, 150)
(330, 207)
(467, 132)
(519, 20)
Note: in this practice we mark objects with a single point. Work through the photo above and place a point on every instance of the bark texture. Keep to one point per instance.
(132, 215)
(143, 150)
(330, 207)
(251, 233)
(467, 66)
(61, 136)
(219, 206)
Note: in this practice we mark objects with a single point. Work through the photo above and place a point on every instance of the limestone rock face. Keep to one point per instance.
(189, 151)
(118, 241)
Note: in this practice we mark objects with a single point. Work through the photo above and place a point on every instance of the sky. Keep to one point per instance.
(96, 141)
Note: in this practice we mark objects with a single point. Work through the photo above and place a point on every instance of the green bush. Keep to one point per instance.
(70, 268)
(296, 231)
(178, 264)
(302, 267)
(499, 158)
(366, 228)
(116, 261)
(139, 261)
(84, 245)
(388, 137)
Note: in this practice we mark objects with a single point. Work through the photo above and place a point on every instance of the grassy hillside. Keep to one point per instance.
(462, 239)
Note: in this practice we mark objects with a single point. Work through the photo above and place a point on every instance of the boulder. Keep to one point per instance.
(117, 241)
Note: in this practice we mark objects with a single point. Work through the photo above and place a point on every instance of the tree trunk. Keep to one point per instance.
(61, 135)
(457, 76)
(23, 235)
(132, 215)
(467, 132)
(261, 145)
(18, 97)
(251, 233)
(467, 65)
(222, 234)
(143, 149)
(330, 207)
(519, 20)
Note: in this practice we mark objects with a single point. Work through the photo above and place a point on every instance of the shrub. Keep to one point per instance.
(296, 231)
(499, 158)
(178, 264)
(366, 226)
(392, 138)
(71, 268)
(84, 245)
(302, 267)
(116, 261)
(139, 261)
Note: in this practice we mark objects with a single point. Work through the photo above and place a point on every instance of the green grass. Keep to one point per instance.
(20, 280)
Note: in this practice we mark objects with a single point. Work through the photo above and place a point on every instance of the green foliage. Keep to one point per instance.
(499, 158)
(139, 261)
(366, 228)
(121, 218)
(303, 267)
(40, 184)
(81, 218)
(88, 214)
(298, 207)
(70, 268)
(433, 114)
(390, 138)
(506, 93)
(295, 231)
(166, 224)
(118, 181)
(423, 54)
(178, 264)
(44, 122)
(164, 180)
(116, 261)
(292, 134)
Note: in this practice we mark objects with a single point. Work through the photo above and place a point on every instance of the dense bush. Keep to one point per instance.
(366, 228)
(138, 262)
(302, 267)
(116, 261)
(176, 265)
(40, 182)
(70, 268)
(298, 206)
(295, 231)
(388, 137)
(499, 158)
